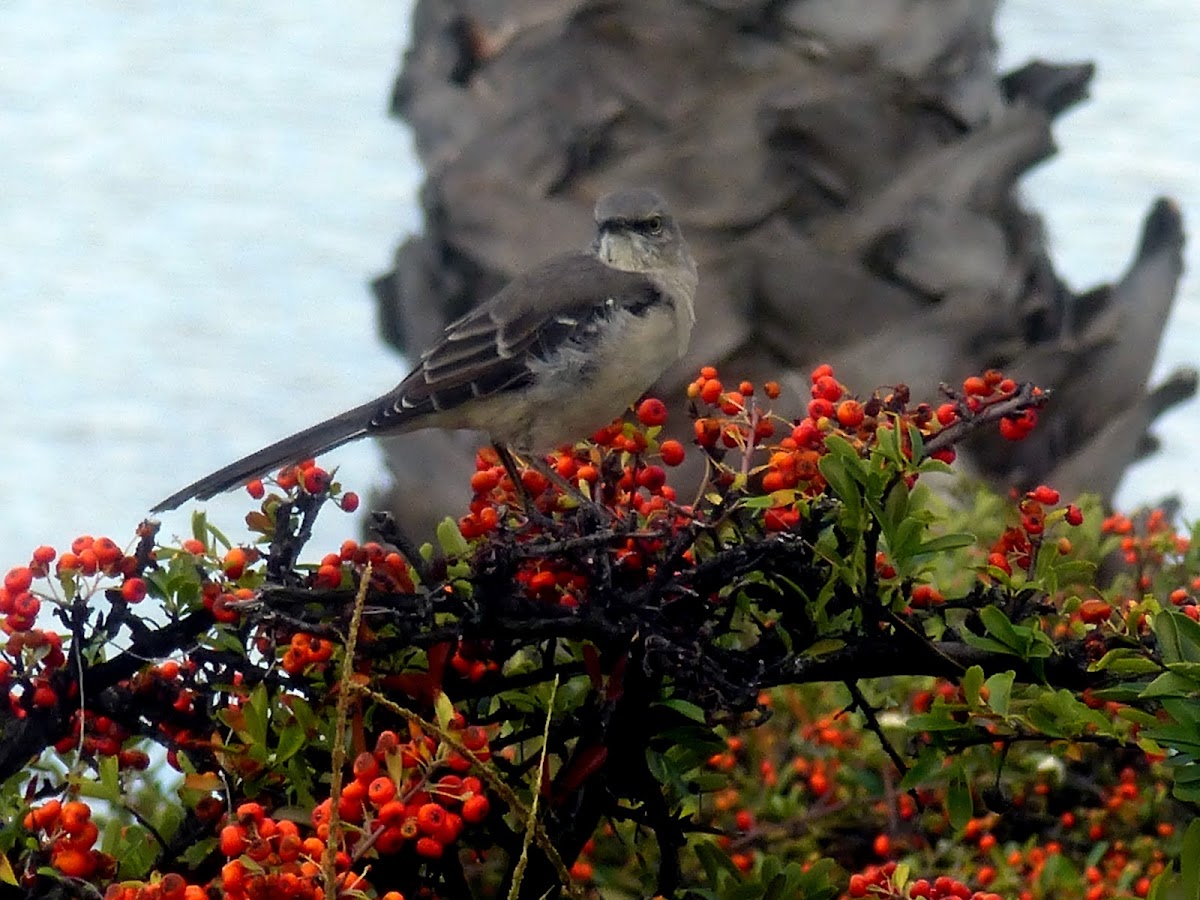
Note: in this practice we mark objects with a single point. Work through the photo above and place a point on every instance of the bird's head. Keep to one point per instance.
(636, 232)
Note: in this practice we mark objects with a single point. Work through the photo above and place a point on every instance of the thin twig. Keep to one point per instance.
(531, 822)
(338, 761)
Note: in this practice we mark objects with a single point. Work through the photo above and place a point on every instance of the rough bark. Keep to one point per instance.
(846, 173)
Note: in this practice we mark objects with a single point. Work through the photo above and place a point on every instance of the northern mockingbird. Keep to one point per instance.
(561, 350)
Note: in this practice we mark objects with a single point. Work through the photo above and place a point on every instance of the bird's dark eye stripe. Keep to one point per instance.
(650, 225)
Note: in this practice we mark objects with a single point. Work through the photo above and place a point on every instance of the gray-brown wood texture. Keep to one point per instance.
(846, 174)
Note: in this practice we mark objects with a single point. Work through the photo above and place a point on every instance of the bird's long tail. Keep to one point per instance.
(311, 441)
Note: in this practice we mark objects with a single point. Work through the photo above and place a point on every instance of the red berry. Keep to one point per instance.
(652, 412)
(350, 501)
(316, 480)
(672, 453)
(430, 817)
(44, 697)
(947, 413)
(651, 478)
(133, 590)
(827, 388)
(381, 791)
(430, 848)
(366, 767)
(475, 809)
(1045, 495)
(18, 580)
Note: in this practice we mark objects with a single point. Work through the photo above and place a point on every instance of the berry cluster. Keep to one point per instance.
(310, 478)
(879, 882)
(390, 573)
(1018, 544)
(69, 835)
(982, 391)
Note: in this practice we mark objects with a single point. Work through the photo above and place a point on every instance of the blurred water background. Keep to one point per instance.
(193, 199)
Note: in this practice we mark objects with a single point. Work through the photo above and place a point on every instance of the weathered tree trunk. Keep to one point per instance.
(845, 172)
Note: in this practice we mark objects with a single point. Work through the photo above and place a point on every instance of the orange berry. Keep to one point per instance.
(233, 840)
(882, 845)
(976, 387)
(850, 414)
(381, 791)
(73, 863)
(75, 816)
(672, 452)
(234, 563)
(1094, 611)
(133, 590)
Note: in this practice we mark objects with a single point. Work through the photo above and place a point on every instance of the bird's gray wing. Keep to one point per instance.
(490, 349)
(486, 352)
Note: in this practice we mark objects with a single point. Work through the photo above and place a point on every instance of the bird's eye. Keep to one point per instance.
(654, 224)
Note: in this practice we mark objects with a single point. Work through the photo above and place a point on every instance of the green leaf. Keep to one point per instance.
(837, 472)
(685, 709)
(1125, 661)
(985, 643)
(928, 764)
(451, 539)
(1169, 684)
(444, 710)
(999, 690)
(256, 709)
(1000, 627)
(958, 802)
(945, 543)
(972, 681)
(1189, 857)
(934, 721)
(291, 742)
(1178, 637)
(916, 441)
(823, 647)
(198, 852)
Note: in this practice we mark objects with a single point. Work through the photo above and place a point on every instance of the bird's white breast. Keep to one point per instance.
(583, 386)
